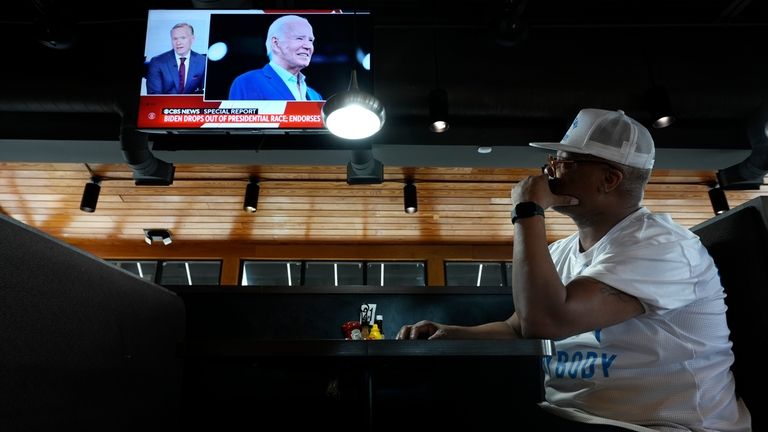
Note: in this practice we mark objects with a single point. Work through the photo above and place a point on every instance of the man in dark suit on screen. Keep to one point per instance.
(179, 70)
(290, 44)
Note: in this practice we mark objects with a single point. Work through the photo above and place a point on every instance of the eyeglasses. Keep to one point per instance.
(550, 168)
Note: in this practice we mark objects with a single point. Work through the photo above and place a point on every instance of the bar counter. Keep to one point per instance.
(369, 348)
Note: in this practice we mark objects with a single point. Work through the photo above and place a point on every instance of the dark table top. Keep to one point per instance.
(375, 348)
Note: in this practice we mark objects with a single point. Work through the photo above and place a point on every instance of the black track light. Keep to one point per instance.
(157, 234)
(251, 200)
(91, 195)
(410, 201)
(719, 200)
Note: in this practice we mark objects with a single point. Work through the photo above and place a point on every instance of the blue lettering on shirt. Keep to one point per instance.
(562, 360)
(607, 362)
(588, 371)
(573, 372)
(580, 364)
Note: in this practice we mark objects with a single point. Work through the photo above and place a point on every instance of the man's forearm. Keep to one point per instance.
(492, 330)
(536, 286)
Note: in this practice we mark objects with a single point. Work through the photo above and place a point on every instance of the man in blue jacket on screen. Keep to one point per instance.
(290, 44)
(179, 70)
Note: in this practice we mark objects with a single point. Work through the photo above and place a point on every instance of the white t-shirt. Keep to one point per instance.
(667, 369)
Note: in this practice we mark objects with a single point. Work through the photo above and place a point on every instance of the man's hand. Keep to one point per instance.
(422, 330)
(536, 189)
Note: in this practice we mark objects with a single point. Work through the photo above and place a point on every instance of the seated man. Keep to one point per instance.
(632, 300)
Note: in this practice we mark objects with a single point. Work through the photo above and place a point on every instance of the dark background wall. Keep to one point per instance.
(318, 312)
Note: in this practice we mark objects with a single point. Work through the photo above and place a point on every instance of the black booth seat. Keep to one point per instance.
(737, 240)
(84, 345)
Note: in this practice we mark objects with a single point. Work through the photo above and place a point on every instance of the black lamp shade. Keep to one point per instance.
(438, 110)
(660, 107)
(251, 200)
(90, 197)
(719, 200)
(410, 201)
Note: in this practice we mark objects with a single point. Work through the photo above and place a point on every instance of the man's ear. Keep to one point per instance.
(612, 179)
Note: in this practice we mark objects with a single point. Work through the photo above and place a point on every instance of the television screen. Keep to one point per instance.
(228, 82)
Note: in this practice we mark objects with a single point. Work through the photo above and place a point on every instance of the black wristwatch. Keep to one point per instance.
(526, 209)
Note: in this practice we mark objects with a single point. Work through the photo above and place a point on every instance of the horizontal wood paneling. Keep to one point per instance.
(306, 204)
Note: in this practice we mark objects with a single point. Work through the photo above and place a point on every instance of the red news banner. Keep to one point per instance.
(192, 112)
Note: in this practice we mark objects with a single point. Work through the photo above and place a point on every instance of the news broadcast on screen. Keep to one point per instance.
(249, 70)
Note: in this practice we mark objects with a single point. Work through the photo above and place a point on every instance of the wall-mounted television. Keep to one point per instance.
(228, 83)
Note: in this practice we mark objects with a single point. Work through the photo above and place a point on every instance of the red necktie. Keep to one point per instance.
(182, 72)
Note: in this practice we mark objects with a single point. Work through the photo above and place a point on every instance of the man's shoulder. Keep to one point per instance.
(662, 223)
(257, 73)
(649, 231)
(162, 56)
(314, 95)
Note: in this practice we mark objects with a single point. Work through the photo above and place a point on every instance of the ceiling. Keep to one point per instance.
(506, 86)
(505, 89)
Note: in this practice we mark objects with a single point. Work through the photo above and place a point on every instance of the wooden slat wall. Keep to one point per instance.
(305, 204)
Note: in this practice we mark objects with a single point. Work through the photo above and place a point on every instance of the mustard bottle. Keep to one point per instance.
(375, 333)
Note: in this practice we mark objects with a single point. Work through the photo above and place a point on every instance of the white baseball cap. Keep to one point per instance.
(611, 135)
